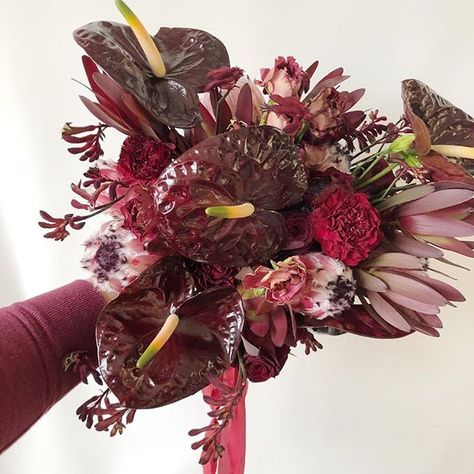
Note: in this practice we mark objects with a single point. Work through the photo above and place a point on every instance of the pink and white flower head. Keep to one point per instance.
(115, 257)
(312, 284)
(321, 158)
(286, 78)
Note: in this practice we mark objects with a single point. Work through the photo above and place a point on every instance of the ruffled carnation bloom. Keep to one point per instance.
(139, 212)
(312, 284)
(346, 225)
(286, 78)
(115, 257)
(143, 158)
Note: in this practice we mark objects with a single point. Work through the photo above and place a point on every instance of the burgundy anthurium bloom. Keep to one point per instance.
(203, 344)
(188, 55)
(255, 167)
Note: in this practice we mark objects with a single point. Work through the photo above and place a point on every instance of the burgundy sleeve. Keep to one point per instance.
(35, 335)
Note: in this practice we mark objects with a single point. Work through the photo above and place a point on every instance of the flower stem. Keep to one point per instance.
(375, 178)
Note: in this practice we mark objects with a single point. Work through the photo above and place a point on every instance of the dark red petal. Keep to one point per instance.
(202, 346)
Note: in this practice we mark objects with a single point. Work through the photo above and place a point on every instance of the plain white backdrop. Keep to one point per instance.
(359, 406)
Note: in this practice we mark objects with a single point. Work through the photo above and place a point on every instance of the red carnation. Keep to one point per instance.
(346, 225)
(139, 213)
(144, 158)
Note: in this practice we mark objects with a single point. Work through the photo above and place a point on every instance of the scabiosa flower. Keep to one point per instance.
(346, 225)
(143, 158)
(432, 215)
(115, 257)
(395, 289)
(286, 78)
(312, 284)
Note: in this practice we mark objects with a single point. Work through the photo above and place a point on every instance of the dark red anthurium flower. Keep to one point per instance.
(203, 344)
(438, 124)
(188, 56)
(247, 173)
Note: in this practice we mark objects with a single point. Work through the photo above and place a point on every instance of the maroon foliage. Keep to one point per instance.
(88, 146)
(100, 412)
(357, 321)
(223, 78)
(223, 395)
(80, 363)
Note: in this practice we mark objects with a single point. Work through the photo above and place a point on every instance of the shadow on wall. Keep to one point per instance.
(10, 282)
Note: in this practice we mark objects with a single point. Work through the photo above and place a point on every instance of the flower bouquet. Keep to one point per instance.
(248, 216)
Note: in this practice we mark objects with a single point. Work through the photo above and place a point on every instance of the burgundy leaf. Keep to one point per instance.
(244, 109)
(357, 321)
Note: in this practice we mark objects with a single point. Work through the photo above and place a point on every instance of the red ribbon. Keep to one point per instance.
(233, 435)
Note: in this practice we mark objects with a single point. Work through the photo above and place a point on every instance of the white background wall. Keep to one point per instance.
(360, 406)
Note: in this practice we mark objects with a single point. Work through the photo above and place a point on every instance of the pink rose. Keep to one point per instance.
(280, 284)
(286, 78)
(312, 284)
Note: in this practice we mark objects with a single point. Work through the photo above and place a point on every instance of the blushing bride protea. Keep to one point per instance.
(312, 284)
(115, 257)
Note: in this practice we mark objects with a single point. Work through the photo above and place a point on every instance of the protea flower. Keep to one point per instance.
(396, 291)
(427, 218)
(115, 257)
